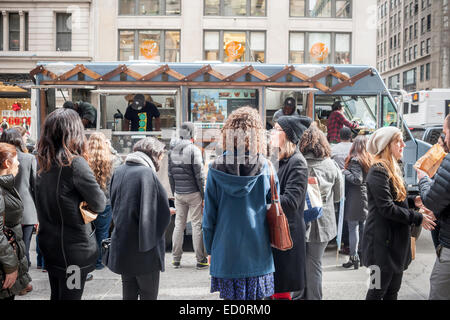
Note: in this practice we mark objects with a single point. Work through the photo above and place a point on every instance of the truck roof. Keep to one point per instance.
(338, 79)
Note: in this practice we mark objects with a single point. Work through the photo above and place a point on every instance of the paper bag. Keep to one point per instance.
(431, 161)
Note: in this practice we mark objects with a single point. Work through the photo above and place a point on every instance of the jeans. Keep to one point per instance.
(144, 286)
(188, 203)
(355, 233)
(27, 230)
(314, 254)
(389, 287)
(59, 289)
(440, 277)
(40, 257)
(102, 224)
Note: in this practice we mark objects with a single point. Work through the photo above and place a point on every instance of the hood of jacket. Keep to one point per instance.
(238, 185)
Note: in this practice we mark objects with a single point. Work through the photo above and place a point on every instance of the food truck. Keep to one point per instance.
(15, 107)
(206, 93)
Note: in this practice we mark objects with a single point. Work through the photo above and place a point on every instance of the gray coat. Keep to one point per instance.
(186, 168)
(331, 185)
(24, 183)
(356, 208)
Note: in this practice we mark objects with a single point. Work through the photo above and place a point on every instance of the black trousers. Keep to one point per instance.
(144, 286)
(390, 286)
(60, 290)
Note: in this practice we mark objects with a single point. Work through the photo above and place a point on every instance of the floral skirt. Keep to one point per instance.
(252, 288)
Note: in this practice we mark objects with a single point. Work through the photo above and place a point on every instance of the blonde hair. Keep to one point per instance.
(287, 149)
(390, 164)
(100, 158)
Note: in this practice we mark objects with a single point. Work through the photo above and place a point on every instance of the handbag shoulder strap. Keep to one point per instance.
(273, 187)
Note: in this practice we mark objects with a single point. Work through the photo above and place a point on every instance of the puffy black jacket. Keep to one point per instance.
(11, 206)
(435, 196)
(64, 239)
(387, 234)
(186, 168)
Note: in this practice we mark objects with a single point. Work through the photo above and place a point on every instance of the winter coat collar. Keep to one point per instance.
(7, 181)
(140, 158)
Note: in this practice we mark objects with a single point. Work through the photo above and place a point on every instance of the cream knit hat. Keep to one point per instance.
(380, 139)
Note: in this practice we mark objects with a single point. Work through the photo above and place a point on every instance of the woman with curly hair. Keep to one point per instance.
(235, 229)
(317, 152)
(103, 163)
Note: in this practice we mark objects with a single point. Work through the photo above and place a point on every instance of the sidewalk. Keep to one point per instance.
(187, 283)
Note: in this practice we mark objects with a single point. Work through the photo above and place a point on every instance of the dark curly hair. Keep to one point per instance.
(314, 141)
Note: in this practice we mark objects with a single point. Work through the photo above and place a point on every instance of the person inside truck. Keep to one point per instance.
(139, 115)
(85, 110)
(336, 121)
(289, 109)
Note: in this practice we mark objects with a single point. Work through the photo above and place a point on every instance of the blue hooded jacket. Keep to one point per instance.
(235, 229)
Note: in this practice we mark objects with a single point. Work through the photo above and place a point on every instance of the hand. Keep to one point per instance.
(429, 213)
(427, 222)
(209, 260)
(10, 279)
(418, 202)
(421, 174)
(172, 211)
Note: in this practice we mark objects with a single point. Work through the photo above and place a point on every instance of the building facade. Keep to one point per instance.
(413, 44)
(268, 31)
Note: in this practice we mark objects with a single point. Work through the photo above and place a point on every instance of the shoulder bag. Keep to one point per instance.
(313, 203)
(280, 236)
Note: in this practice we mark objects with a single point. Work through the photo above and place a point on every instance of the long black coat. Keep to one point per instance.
(140, 211)
(64, 238)
(387, 234)
(356, 208)
(290, 265)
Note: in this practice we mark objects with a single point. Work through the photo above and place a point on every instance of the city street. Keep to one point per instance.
(187, 283)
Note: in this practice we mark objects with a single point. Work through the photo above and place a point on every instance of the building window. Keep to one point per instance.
(422, 67)
(237, 46)
(427, 71)
(321, 8)
(63, 32)
(415, 30)
(321, 47)
(428, 45)
(14, 32)
(429, 22)
(153, 45)
(422, 48)
(255, 8)
(405, 55)
(1, 31)
(415, 52)
(297, 47)
(410, 54)
(410, 32)
(394, 82)
(422, 26)
(399, 40)
(149, 7)
(409, 80)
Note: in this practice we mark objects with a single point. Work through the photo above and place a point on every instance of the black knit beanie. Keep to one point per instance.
(294, 126)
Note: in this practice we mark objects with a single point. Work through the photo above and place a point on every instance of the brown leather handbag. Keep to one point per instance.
(280, 236)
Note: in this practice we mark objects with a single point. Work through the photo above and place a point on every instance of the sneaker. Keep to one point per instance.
(89, 277)
(176, 264)
(202, 265)
(29, 288)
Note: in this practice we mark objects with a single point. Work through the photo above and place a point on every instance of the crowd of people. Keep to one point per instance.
(46, 192)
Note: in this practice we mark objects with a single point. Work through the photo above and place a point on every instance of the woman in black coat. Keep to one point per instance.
(14, 276)
(289, 273)
(387, 234)
(357, 164)
(140, 212)
(64, 181)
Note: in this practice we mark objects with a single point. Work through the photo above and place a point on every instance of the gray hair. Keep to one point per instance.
(152, 147)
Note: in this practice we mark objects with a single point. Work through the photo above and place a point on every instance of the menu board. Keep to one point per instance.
(214, 105)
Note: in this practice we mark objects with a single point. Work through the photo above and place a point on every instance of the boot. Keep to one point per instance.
(360, 260)
(353, 261)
